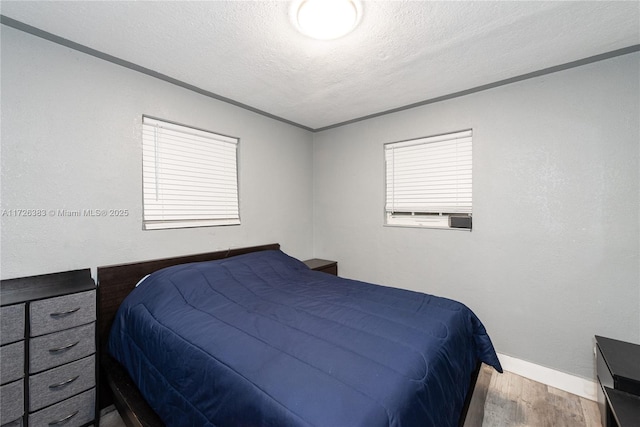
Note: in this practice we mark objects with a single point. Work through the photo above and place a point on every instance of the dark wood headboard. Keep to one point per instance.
(115, 282)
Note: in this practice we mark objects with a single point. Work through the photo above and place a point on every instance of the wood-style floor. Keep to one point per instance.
(516, 401)
(511, 401)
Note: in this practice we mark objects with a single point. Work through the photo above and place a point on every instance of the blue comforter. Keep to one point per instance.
(261, 340)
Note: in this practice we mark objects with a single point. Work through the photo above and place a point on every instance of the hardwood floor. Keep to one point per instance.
(516, 401)
(511, 401)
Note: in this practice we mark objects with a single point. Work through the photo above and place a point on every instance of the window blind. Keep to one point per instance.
(189, 177)
(430, 175)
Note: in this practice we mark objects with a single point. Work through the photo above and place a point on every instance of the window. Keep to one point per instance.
(190, 177)
(428, 181)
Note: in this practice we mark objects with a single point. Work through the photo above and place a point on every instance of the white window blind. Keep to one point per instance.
(190, 177)
(429, 179)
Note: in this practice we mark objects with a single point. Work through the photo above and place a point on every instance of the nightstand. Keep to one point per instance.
(324, 265)
(49, 350)
(618, 370)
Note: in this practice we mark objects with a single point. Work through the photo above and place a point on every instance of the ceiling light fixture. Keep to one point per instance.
(326, 19)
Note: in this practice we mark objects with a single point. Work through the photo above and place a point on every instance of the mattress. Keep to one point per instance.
(262, 340)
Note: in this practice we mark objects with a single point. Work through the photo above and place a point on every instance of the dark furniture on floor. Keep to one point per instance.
(116, 282)
(48, 352)
(324, 265)
(618, 369)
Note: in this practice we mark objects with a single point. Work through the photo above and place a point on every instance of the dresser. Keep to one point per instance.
(48, 363)
(618, 370)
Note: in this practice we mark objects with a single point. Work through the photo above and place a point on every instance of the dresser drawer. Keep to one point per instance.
(11, 362)
(11, 323)
(72, 412)
(59, 383)
(55, 314)
(62, 347)
(11, 401)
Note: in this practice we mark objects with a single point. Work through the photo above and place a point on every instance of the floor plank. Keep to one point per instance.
(591, 413)
(516, 401)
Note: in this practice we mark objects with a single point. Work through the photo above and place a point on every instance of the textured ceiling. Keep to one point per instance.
(402, 53)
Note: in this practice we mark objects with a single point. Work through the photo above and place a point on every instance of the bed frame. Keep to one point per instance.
(115, 282)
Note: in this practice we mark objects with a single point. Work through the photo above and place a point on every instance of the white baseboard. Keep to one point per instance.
(561, 380)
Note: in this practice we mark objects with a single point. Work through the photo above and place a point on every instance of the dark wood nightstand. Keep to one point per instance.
(619, 380)
(324, 265)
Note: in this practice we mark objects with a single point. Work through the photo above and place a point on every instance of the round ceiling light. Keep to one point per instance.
(326, 19)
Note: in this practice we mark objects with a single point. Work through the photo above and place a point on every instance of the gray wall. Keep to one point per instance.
(553, 257)
(71, 139)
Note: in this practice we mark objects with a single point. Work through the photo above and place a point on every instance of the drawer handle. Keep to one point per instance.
(63, 420)
(63, 383)
(64, 313)
(63, 348)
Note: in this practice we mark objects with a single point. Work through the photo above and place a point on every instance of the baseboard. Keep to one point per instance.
(561, 380)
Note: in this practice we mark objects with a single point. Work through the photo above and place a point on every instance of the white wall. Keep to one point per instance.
(71, 139)
(553, 257)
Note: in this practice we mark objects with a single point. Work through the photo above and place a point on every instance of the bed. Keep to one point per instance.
(253, 337)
